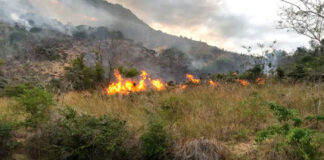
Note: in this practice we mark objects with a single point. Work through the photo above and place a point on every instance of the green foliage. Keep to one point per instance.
(129, 73)
(6, 143)
(284, 115)
(17, 36)
(82, 76)
(299, 142)
(315, 118)
(306, 64)
(55, 85)
(15, 90)
(35, 30)
(229, 77)
(36, 102)
(280, 73)
(83, 137)
(253, 73)
(2, 62)
(252, 110)
(298, 73)
(155, 141)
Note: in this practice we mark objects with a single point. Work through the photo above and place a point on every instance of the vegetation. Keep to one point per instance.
(36, 103)
(82, 76)
(129, 73)
(77, 136)
(299, 142)
(155, 141)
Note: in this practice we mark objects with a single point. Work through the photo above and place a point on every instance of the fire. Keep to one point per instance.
(214, 84)
(192, 79)
(158, 85)
(183, 86)
(123, 86)
(243, 82)
(260, 81)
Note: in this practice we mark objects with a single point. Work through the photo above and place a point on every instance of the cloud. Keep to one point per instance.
(224, 23)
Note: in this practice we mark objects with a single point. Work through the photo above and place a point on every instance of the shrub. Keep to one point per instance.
(298, 73)
(55, 85)
(2, 62)
(129, 73)
(155, 142)
(6, 143)
(297, 142)
(82, 76)
(15, 90)
(36, 102)
(280, 73)
(253, 73)
(230, 77)
(77, 136)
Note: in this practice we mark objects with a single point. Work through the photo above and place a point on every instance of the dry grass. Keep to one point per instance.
(5, 106)
(230, 114)
(227, 113)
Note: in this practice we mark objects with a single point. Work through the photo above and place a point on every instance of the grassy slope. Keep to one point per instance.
(231, 113)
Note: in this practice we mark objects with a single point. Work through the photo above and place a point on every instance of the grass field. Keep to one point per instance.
(230, 114)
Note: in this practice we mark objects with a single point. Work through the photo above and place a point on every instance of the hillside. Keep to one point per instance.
(117, 18)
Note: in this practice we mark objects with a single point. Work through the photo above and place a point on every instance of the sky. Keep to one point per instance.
(227, 24)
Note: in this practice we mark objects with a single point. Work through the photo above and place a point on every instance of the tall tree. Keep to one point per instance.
(306, 17)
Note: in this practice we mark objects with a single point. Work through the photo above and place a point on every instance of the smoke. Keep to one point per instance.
(53, 14)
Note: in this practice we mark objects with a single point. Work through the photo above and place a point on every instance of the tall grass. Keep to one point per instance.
(227, 112)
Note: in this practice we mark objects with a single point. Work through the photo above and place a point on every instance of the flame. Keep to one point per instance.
(123, 86)
(243, 82)
(214, 84)
(260, 81)
(183, 86)
(158, 84)
(192, 79)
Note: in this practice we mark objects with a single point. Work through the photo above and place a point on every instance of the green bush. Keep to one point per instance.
(155, 142)
(36, 102)
(253, 73)
(15, 90)
(82, 76)
(298, 73)
(280, 73)
(230, 77)
(82, 137)
(298, 142)
(128, 73)
(6, 142)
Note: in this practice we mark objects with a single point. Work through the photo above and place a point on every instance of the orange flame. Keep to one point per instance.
(214, 84)
(260, 81)
(183, 86)
(128, 86)
(192, 79)
(243, 82)
(158, 84)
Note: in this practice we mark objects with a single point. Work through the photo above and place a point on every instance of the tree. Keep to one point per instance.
(306, 17)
